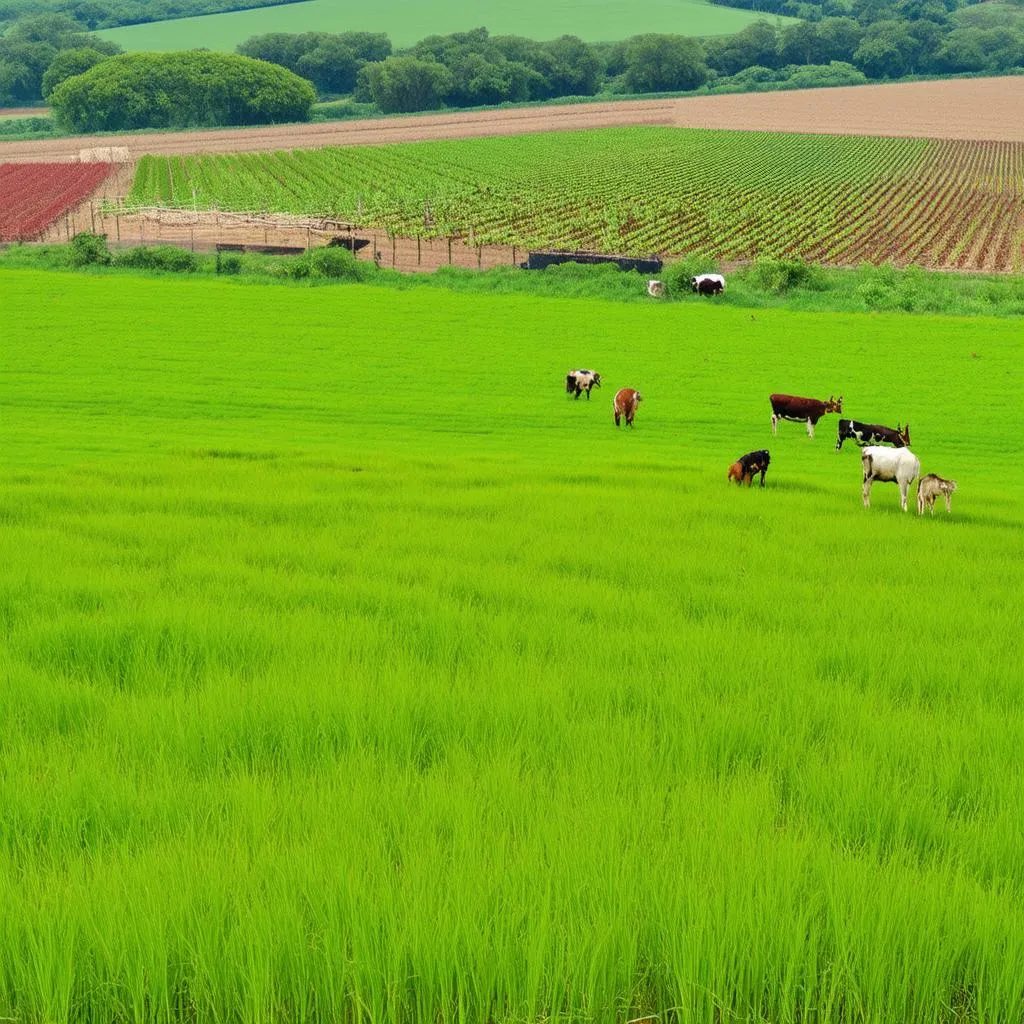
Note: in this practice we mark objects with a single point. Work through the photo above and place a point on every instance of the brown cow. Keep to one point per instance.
(626, 401)
(802, 410)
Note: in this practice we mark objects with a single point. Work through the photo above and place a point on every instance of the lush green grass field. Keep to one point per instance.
(351, 671)
(737, 195)
(406, 23)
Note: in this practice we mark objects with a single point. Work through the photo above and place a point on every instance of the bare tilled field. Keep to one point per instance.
(982, 109)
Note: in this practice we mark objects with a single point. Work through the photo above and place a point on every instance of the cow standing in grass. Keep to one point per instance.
(802, 410)
(895, 465)
(626, 401)
(578, 381)
(871, 433)
(708, 284)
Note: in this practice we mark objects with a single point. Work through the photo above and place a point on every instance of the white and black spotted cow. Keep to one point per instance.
(871, 433)
(578, 381)
(708, 284)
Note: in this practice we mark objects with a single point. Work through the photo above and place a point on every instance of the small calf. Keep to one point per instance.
(929, 488)
(746, 467)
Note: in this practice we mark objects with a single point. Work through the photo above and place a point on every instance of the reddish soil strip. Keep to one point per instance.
(35, 195)
(981, 109)
(24, 112)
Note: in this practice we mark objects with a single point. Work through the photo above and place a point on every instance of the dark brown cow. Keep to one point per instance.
(802, 410)
(626, 401)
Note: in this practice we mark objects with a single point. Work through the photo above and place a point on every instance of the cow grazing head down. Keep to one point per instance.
(929, 488)
(578, 381)
(625, 405)
(746, 467)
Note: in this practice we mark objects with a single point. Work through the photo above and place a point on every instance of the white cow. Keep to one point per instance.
(898, 465)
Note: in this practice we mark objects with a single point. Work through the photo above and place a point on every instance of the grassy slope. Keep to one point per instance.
(406, 23)
(349, 665)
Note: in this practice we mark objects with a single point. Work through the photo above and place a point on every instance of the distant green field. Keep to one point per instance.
(353, 672)
(406, 23)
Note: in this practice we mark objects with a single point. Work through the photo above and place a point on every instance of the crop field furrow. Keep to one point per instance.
(731, 194)
(32, 196)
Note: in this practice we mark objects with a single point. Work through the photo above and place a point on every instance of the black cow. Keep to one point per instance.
(746, 467)
(871, 433)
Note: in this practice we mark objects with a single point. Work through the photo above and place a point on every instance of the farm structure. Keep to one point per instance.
(35, 195)
(636, 191)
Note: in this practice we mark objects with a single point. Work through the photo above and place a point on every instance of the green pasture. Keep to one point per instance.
(406, 23)
(353, 672)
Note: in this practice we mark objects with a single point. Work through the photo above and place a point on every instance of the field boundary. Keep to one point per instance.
(975, 109)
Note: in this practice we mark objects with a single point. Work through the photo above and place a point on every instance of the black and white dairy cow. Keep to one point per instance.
(578, 381)
(895, 465)
(871, 433)
(708, 284)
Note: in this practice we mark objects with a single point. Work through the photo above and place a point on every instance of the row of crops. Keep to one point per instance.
(35, 195)
(736, 195)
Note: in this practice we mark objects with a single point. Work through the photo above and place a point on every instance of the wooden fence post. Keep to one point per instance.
(419, 254)
(92, 216)
(394, 251)
(449, 250)
(479, 256)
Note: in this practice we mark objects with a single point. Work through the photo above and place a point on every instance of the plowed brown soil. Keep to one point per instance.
(983, 109)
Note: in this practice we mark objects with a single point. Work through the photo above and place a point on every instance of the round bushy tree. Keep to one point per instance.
(180, 90)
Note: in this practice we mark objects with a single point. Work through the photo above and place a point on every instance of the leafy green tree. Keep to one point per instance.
(880, 57)
(331, 67)
(756, 44)
(661, 63)
(569, 66)
(68, 63)
(401, 85)
(331, 61)
(801, 44)
(179, 90)
(839, 38)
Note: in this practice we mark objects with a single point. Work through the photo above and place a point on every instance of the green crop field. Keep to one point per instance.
(405, 23)
(353, 672)
(734, 195)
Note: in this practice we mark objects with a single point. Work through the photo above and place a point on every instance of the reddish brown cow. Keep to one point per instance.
(802, 410)
(626, 401)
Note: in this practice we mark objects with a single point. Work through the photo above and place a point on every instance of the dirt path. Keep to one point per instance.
(982, 109)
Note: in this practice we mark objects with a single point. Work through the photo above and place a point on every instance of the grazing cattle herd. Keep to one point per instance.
(896, 464)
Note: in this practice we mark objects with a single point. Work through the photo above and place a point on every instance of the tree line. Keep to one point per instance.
(914, 37)
(873, 40)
